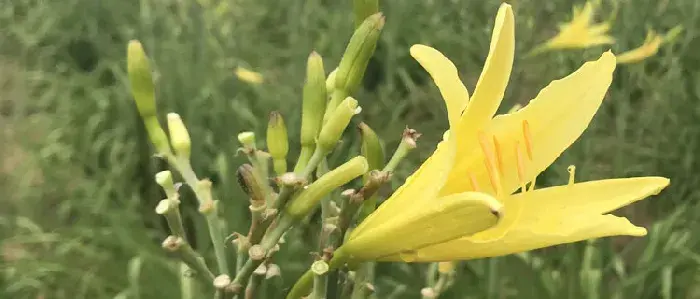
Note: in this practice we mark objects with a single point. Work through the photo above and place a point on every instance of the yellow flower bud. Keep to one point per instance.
(357, 54)
(337, 122)
(312, 194)
(179, 137)
(277, 142)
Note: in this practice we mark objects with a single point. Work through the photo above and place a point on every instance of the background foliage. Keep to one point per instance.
(76, 216)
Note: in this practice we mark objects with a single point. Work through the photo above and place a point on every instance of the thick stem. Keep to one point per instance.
(303, 285)
(269, 241)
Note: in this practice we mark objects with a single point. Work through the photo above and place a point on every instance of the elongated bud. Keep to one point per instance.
(337, 122)
(315, 98)
(332, 180)
(247, 139)
(362, 9)
(371, 147)
(141, 79)
(330, 81)
(179, 137)
(360, 49)
(278, 142)
(250, 183)
(143, 90)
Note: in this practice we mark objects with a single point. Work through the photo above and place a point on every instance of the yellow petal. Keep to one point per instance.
(446, 77)
(422, 186)
(435, 221)
(588, 198)
(554, 216)
(554, 120)
(493, 79)
(522, 239)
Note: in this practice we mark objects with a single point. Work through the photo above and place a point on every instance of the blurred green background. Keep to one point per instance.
(76, 171)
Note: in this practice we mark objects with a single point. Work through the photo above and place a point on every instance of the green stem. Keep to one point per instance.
(270, 240)
(213, 224)
(304, 284)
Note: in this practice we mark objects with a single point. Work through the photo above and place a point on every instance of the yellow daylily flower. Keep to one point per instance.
(580, 32)
(249, 76)
(649, 48)
(497, 155)
(398, 228)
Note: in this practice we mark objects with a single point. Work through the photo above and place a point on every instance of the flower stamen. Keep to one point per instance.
(472, 181)
(572, 174)
(490, 163)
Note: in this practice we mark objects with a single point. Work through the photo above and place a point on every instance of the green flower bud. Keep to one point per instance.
(362, 9)
(141, 79)
(315, 99)
(330, 81)
(337, 122)
(312, 194)
(371, 147)
(179, 137)
(247, 139)
(277, 142)
(357, 54)
(143, 90)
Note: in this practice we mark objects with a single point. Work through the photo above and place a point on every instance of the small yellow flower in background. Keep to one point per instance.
(249, 76)
(580, 32)
(649, 48)
(484, 159)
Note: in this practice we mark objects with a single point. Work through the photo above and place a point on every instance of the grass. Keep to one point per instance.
(76, 170)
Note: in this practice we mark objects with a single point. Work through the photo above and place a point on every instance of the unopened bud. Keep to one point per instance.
(371, 147)
(278, 142)
(337, 122)
(358, 53)
(362, 9)
(179, 137)
(312, 194)
(330, 81)
(315, 98)
(142, 88)
(141, 79)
